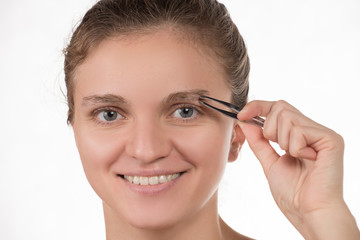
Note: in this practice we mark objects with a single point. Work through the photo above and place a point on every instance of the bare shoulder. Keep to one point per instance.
(230, 234)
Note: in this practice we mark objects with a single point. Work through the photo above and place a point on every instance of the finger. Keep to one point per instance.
(301, 141)
(270, 110)
(275, 112)
(316, 143)
(260, 108)
(255, 108)
(279, 121)
(285, 123)
(286, 120)
(260, 146)
(271, 126)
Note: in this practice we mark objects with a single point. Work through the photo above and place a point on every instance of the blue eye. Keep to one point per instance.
(109, 116)
(185, 112)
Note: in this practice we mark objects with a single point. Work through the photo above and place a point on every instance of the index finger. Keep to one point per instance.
(255, 108)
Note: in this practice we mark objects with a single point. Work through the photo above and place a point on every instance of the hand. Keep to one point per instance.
(306, 181)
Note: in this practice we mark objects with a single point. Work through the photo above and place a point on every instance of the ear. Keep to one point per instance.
(237, 140)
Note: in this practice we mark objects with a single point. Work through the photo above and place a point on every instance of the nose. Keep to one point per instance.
(148, 141)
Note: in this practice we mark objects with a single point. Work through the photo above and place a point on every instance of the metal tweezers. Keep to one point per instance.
(258, 121)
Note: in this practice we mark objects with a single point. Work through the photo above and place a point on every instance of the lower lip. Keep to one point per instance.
(151, 189)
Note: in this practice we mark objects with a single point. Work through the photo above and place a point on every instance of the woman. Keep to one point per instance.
(154, 154)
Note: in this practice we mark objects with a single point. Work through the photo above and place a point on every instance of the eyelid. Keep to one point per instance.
(185, 105)
(97, 111)
(197, 108)
(106, 108)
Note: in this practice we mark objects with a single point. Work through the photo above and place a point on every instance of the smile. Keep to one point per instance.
(152, 180)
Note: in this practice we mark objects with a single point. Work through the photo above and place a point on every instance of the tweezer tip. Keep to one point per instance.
(204, 97)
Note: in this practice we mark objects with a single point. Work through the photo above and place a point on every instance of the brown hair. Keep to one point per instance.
(206, 20)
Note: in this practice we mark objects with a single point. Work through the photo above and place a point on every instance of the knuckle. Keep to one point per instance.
(281, 104)
(267, 133)
(270, 134)
(338, 137)
(294, 151)
(341, 140)
(283, 145)
(338, 140)
(296, 131)
(285, 114)
(296, 136)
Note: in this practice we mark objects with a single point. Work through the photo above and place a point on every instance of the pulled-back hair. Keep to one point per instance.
(206, 21)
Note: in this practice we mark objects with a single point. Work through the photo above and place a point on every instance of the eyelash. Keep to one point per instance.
(197, 109)
(96, 112)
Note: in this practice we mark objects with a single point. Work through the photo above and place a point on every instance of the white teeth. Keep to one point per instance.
(129, 178)
(162, 179)
(144, 181)
(136, 180)
(153, 180)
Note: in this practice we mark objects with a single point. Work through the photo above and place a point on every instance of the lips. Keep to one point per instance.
(150, 180)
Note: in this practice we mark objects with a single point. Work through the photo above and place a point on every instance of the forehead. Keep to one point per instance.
(156, 64)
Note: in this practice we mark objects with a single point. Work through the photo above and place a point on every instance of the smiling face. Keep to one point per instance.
(149, 149)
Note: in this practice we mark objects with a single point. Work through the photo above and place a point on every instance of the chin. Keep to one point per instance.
(153, 222)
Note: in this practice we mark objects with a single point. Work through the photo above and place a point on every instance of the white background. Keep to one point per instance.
(306, 52)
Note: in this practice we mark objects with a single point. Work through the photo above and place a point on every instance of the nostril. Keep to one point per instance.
(148, 142)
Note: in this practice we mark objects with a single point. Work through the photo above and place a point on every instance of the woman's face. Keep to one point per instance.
(149, 149)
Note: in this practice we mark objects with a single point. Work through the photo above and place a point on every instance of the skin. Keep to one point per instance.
(147, 80)
(306, 182)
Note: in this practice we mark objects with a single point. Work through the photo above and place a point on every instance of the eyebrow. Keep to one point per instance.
(183, 96)
(106, 98)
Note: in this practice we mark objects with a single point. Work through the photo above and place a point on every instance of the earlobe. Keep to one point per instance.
(237, 140)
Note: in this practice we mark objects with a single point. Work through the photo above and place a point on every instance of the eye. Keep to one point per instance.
(109, 115)
(185, 112)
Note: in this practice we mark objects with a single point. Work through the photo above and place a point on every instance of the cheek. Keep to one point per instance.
(98, 151)
(204, 141)
(206, 148)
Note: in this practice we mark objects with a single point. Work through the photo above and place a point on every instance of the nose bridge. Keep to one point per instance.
(148, 141)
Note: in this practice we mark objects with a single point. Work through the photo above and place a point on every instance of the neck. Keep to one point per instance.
(204, 224)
